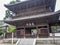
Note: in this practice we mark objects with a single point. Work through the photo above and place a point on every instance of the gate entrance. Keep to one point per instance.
(29, 31)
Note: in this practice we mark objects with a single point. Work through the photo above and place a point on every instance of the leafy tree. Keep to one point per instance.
(11, 28)
(12, 2)
(53, 28)
(1, 23)
(7, 14)
(1, 31)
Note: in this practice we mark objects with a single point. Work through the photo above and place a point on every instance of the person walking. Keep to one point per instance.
(32, 34)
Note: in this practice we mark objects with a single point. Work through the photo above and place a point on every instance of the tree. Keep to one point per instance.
(7, 14)
(11, 28)
(1, 31)
(12, 2)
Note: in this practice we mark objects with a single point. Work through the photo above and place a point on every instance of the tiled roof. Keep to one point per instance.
(32, 3)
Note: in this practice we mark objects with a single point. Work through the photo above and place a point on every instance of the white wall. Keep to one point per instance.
(56, 34)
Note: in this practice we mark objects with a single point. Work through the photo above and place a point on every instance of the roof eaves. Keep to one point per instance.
(35, 16)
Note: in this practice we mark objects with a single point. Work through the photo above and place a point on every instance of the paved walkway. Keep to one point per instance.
(47, 44)
(47, 39)
(26, 42)
(5, 42)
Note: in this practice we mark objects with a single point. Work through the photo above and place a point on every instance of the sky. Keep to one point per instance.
(2, 8)
(57, 7)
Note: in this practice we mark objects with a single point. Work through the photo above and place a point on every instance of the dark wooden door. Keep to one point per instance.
(20, 33)
(43, 33)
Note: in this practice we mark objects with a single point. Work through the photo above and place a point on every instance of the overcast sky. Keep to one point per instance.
(2, 8)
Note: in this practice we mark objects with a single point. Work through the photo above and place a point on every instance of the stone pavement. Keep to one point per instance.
(26, 42)
(48, 41)
(47, 44)
(2, 42)
(40, 41)
(7, 44)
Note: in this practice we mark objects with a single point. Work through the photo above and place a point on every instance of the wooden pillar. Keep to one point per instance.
(16, 33)
(48, 28)
(24, 32)
(37, 31)
(7, 31)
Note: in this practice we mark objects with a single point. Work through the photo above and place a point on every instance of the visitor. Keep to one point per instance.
(32, 34)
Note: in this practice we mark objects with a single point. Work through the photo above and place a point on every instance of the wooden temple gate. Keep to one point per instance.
(40, 31)
(36, 11)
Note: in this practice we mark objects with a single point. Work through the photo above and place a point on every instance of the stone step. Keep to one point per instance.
(26, 42)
